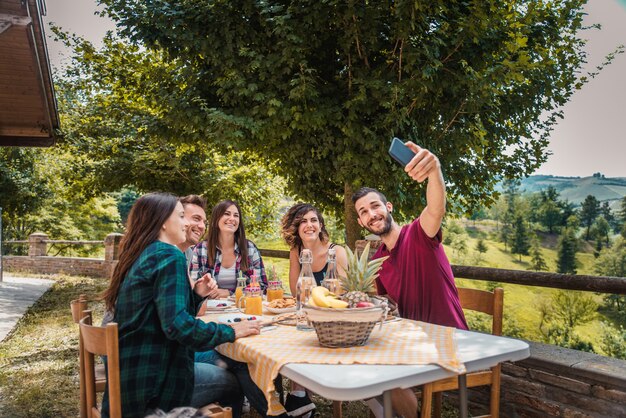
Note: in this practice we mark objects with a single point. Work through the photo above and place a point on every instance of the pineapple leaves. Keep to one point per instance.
(361, 273)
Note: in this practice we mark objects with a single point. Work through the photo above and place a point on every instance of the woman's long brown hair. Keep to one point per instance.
(214, 233)
(143, 226)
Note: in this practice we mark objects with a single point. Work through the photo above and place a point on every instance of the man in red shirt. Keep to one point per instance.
(417, 273)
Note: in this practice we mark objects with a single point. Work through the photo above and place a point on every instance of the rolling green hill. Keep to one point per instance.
(575, 189)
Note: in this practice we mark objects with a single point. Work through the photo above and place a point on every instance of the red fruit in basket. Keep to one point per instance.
(364, 304)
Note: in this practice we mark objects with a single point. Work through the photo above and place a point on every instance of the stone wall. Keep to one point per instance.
(556, 382)
(559, 382)
(92, 267)
(39, 263)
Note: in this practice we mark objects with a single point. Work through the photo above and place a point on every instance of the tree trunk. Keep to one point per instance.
(353, 229)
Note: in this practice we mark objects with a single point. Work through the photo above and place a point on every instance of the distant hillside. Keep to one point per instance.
(576, 189)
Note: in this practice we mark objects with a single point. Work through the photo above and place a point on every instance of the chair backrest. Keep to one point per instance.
(490, 303)
(78, 306)
(101, 341)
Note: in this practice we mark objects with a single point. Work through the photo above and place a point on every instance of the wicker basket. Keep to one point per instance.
(337, 328)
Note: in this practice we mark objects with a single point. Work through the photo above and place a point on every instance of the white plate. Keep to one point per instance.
(279, 310)
(214, 304)
(230, 318)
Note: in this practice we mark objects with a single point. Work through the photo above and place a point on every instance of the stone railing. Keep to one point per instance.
(37, 261)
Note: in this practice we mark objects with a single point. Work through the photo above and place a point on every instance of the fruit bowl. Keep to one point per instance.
(337, 328)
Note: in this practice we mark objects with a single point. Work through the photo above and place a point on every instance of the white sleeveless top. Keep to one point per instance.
(227, 279)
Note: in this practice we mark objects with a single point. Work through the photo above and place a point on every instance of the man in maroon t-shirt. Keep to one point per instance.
(417, 273)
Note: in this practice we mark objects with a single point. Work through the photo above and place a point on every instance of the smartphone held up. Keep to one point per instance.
(400, 152)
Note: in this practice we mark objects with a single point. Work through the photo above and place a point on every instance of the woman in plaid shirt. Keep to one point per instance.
(155, 307)
(226, 252)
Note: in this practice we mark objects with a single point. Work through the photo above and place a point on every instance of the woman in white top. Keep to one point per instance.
(226, 252)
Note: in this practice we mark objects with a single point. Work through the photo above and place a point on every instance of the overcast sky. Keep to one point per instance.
(591, 138)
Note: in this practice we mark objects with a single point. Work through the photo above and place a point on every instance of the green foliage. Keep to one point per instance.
(613, 342)
(565, 311)
(612, 262)
(601, 230)
(511, 199)
(481, 247)
(456, 237)
(565, 337)
(521, 243)
(550, 213)
(573, 308)
(36, 198)
(588, 213)
(125, 200)
(568, 246)
(22, 190)
(322, 86)
(621, 215)
(121, 109)
(538, 263)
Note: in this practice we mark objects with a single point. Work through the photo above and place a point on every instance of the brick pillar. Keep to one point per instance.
(112, 246)
(37, 246)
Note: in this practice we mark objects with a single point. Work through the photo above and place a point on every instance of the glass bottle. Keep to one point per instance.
(241, 285)
(303, 288)
(331, 279)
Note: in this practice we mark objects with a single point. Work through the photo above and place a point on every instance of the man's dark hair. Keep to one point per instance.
(366, 190)
(194, 199)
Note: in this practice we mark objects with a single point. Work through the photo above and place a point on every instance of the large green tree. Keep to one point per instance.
(323, 86)
(119, 107)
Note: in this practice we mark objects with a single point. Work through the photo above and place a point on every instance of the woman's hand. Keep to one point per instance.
(206, 286)
(246, 328)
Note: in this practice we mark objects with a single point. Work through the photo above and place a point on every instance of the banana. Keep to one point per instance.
(337, 303)
(311, 302)
(319, 295)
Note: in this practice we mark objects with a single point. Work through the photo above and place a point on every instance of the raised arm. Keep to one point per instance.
(425, 165)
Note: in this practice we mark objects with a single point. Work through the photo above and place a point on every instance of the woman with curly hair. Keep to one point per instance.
(303, 227)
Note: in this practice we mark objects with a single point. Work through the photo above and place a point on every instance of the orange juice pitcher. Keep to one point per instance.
(275, 286)
(251, 301)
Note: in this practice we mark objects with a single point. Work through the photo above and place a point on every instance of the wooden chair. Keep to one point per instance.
(101, 341)
(78, 307)
(490, 303)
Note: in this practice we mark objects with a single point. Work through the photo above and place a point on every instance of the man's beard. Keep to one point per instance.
(191, 238)
(388, 222)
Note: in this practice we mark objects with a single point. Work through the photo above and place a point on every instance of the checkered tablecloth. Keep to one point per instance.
(404, 342)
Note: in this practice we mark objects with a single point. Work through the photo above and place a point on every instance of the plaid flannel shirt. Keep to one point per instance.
(158, 332)
(200, 264)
